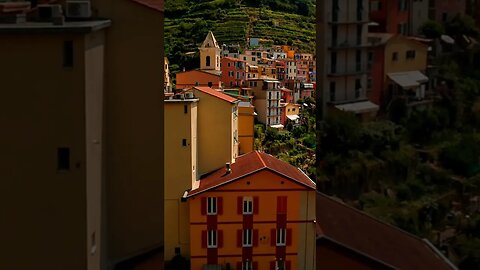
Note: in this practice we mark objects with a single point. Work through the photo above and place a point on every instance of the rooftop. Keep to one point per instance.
(215, 93)
(248, 164)
(369, 236)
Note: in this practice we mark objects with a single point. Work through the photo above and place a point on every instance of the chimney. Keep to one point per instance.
(228, 168)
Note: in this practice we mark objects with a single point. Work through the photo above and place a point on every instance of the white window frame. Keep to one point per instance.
(247, 206)
(212, 239)
(281, 237)
(212, 207)
(247, 265)
(247, 238)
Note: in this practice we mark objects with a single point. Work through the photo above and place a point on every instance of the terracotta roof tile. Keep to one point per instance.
(365, 234)
(249, 164)
(234, 59)
(158, 5)
(215, 93)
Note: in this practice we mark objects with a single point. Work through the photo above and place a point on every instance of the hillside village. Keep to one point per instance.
(243, 101)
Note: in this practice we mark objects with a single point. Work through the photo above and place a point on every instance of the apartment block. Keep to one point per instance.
(267, 96)
(344, 74)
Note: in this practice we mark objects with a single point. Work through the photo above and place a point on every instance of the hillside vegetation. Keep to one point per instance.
(277, 22)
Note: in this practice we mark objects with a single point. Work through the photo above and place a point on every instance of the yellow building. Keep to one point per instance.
(181, 167)
(85, 146)
(246, 120)
(201, 133)
(217, 129)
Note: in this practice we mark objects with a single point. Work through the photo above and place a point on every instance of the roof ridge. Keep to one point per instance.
(261, 159)
(371, 217)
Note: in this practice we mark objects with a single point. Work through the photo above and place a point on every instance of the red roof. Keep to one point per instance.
(154, 4)
(215, 93)
(248, 164)
(366, 235)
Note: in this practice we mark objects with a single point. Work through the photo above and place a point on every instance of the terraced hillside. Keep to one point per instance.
(187, 24)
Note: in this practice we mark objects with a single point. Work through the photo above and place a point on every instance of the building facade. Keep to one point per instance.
(267, 96)
(233, 72)
(344, 74)
(267, 223)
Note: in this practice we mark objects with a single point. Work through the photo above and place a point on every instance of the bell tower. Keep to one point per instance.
(210, 53)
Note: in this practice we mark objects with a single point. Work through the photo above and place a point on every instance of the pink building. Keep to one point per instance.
(444, 10)
(233, 72)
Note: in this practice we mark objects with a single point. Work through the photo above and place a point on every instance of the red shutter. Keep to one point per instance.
(239, 265)
(289, 237)
(273, 235)
(239, 238)
(204, 239)
(272, 265)
(240, 205)
(255, 238)
(255, 265)
(203, 209)
(220, 239)
(220, 205)
(255, 205)
(288, 265)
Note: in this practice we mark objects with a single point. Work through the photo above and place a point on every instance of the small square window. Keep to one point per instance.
(395, 56)
(184, 142)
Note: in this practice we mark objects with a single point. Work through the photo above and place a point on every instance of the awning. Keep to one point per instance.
(276, 126)
(408, 79)
(447, 39)
(293, 117)
(358, 107)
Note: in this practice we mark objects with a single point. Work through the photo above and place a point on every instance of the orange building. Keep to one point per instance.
(258, 213)
(197, 77)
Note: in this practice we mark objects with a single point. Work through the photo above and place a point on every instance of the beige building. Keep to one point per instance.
(83, 141)
(344, 74)
(267, 96)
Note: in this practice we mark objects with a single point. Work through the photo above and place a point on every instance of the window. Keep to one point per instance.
(411, 54)
(68, 53)
(395, 56)
(253, 58)
(247, 206)
(359, 34)
(247, 238)
(358, 88)
(333, 64)
(228, 64)
(93, 244)
(359, 10)
(212, 239)
(334, 35)
(281, 236)
(211, 206)
(358, 59)
(247, 265)
(184, 142)
(185, 109)
(63, 159)
(335, 9)
(207, 60)
(332, 91)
